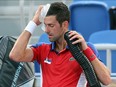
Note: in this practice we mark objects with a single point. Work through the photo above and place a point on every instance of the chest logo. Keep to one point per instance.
(72, 59)
(48, 61)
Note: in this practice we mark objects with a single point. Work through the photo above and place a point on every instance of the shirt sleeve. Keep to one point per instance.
(35, 48)
(34, 53)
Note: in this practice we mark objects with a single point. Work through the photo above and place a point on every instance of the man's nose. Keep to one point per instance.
(46, 29)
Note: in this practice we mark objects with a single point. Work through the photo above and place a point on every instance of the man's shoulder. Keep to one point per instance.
(42, 44)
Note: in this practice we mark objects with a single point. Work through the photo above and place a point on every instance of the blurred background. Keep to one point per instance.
(15, 14)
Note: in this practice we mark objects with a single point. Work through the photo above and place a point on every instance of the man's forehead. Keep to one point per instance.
(50, 19)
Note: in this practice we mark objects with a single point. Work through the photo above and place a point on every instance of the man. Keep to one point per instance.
(59, 68)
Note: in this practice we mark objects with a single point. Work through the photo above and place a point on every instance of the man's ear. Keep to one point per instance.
(65, 25)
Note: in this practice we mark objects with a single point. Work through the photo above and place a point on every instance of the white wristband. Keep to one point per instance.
(31, 27)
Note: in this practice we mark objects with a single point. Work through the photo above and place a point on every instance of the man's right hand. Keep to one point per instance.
(37, 14)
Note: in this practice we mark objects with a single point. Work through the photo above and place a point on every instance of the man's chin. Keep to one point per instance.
(51, 40)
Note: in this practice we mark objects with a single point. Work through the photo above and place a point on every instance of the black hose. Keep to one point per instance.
(83, 61)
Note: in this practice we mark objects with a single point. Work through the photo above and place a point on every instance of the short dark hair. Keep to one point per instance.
(60, 10)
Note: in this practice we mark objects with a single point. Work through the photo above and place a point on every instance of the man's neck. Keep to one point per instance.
(60, 46)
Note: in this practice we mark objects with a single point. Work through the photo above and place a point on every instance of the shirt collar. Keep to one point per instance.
(53, 46)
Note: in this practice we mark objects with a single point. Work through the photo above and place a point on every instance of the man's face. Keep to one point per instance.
(53, 28)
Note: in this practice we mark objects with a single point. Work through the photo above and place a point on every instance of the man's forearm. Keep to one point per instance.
(102, 71)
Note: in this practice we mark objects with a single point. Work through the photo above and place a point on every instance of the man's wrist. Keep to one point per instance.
(89, 54)
(31, 27)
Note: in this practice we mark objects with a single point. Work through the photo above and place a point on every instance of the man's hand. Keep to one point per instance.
(80, 39)
(37, 14)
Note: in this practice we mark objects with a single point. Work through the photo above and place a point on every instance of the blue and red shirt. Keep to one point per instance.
(59, 69)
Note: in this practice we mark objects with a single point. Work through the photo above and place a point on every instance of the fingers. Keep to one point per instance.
(39, 9)
(78, 38)
(37, 14)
